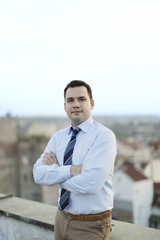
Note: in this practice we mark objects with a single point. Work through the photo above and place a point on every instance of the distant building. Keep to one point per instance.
(8, 156)
(155, 217)
(8, 130)
(133, 195)
(50, 194)
(17, 159)
(152, 169)
(44, 129)
(28, 152)
(133, 150)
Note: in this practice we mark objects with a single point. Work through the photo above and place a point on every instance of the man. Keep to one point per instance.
(81, 160)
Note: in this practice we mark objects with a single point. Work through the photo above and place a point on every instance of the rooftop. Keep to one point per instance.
(134, 174)
(33, 220)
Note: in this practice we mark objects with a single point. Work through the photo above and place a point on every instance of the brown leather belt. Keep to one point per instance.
(89, 217)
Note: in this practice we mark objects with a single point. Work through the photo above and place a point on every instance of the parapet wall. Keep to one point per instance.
(26, 220)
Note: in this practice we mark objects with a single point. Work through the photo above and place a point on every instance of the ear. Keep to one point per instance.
(64, 106)
(92, 104)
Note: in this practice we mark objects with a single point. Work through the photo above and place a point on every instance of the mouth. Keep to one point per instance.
(76, 112)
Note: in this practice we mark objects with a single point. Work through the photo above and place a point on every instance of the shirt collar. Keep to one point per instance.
(84, 126)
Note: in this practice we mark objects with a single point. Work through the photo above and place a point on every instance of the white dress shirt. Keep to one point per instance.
(95, 148)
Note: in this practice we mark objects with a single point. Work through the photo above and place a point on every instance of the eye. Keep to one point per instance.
(82, 99)
(69, 100)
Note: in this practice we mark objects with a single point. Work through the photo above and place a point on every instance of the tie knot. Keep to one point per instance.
(76, 130)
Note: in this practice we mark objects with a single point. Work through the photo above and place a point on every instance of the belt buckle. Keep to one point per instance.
(67, 214)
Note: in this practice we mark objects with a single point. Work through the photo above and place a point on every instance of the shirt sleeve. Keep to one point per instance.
(53, 174)
(97, 167)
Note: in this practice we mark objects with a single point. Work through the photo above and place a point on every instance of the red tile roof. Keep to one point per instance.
(134, 174)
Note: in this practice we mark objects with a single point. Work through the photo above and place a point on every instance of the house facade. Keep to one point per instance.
(133, 194)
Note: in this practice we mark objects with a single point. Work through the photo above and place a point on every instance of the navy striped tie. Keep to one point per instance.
(64, 197)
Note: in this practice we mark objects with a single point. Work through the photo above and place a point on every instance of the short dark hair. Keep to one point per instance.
(78, 83)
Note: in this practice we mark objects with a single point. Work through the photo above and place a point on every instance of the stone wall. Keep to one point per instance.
(8, 169)
(8, 130)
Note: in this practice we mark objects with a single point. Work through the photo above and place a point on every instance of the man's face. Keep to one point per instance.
(78, 105)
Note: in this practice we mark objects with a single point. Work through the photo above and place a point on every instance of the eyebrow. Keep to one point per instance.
(71, 98)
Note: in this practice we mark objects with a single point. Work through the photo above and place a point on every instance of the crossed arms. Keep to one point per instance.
(97, 168)
(50, 159)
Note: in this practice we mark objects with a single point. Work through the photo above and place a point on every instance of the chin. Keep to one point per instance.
(77, 121)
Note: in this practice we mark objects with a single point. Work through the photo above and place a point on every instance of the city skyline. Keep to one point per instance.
(113, 46)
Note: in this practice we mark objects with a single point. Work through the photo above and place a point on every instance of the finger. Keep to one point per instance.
(49, 158)
(53, 155)
(48, 155)
(44, 162)
(47, 161)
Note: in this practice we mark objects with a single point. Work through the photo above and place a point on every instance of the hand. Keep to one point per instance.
(50, 159)
(75, 170)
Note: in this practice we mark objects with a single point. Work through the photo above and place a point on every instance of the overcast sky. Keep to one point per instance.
(112, 45)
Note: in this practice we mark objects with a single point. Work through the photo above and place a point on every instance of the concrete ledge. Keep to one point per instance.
(32, 212)
(16, 214)
(129, 231)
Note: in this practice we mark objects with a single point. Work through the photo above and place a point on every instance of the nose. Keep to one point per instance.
(76, 104)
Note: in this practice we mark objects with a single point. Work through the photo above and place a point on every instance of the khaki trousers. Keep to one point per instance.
(68, 229)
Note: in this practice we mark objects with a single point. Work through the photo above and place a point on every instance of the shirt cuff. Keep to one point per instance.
(66, 172)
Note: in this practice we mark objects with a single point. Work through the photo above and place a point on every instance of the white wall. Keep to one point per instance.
(123, 186)
(139, 193)
(12, 229)
(142, 200)
(153, 170)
